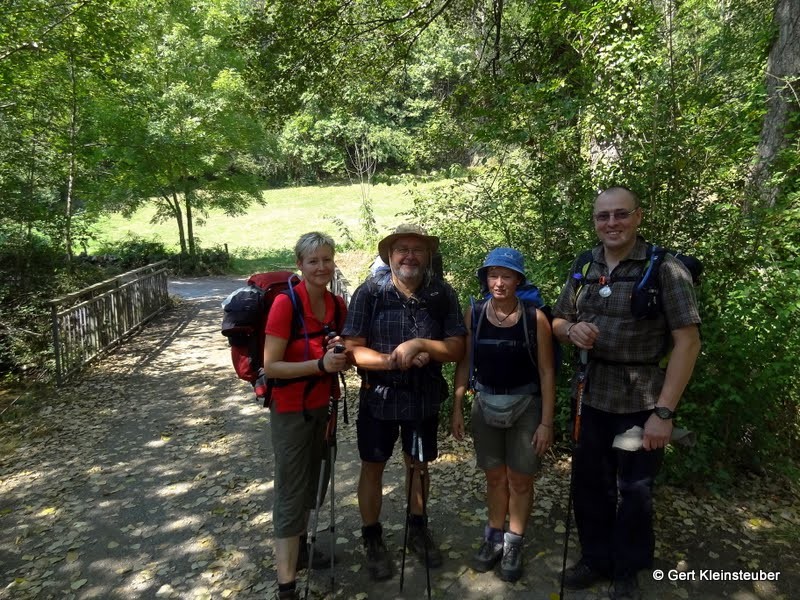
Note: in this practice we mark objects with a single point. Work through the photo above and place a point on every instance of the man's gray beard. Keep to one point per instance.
(411, 279)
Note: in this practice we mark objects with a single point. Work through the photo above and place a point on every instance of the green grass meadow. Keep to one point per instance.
(264, 238)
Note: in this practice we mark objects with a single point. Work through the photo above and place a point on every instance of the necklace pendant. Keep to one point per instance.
(605, 291)
(497, 315)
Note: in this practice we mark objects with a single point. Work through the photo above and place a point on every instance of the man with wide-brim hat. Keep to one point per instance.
(399, 331)
(407, 230)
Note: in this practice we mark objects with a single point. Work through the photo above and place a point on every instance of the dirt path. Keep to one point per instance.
(151, 478)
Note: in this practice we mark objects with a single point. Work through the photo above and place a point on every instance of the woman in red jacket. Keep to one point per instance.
(298, 354)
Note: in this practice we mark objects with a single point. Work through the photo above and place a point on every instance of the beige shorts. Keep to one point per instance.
(495, 447)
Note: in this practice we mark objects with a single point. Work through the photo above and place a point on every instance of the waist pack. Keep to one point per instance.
(502, 410)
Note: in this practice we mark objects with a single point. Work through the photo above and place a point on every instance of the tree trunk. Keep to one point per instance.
(783, 74)
(73, 117)
(498, 23)
(187, 199)
(175, 205)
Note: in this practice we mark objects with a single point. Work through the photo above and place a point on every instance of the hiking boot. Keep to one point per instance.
(581, 576)
(487, 556)
(321, 559)
(625, 588)
(511, 564)
(291, 594)
(420, 538)
(378, 563)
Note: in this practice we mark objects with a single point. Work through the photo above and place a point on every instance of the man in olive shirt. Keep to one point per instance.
(625, 386)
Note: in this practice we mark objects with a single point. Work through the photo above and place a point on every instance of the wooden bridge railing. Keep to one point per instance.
(339, 286)
(89, 322)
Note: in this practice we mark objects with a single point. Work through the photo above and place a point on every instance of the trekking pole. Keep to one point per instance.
(333, 411)
(408, 509)
(416, 455)
(332, 527)
(422, 475)
(315, 522)
(576, 430)
(329, 458)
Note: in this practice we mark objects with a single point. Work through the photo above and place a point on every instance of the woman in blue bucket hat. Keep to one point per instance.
(509, 366)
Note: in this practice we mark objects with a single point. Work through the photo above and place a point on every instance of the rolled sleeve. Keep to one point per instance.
(565, 306)
(677, 294)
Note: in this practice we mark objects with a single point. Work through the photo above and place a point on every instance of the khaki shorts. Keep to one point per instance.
(299, 447)
(495, 447)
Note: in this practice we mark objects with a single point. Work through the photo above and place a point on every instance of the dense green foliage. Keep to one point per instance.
(658, 118)
(194, 105)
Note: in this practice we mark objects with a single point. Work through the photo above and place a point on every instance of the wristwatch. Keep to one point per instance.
(662, 412)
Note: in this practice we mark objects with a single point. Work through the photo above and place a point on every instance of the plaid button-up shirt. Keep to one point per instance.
(386, 318)
(624, 375)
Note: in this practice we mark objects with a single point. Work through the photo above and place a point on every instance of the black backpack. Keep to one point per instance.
(646, 296)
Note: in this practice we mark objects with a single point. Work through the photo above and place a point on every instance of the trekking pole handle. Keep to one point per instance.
(338, 349)
(584, 361)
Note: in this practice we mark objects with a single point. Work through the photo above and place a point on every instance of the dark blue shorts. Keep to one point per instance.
(376, 437)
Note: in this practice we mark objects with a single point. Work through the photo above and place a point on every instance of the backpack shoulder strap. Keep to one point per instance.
(581, 267)
(436, 300)
(375, 289)
(655, 256)
(298, 321)
(529, 313)
(478, 311)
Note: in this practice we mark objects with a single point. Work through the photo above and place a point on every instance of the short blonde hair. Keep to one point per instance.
(311, 242)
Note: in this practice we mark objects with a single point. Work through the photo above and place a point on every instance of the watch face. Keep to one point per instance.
(663, 412)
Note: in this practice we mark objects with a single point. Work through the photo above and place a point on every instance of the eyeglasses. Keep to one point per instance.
(402, 251)
(619, 215)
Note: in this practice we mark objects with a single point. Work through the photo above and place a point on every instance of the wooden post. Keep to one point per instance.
(56, 341)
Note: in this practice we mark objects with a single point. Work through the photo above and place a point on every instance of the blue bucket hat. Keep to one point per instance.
(502, 257)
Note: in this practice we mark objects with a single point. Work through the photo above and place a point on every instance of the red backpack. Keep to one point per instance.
(244, 321)
(246, 311)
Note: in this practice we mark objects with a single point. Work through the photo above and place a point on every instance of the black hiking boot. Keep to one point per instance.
(321, 559)
(288, 593)
(625, 588)
(378, 562)
(419, 536)
(581, 576)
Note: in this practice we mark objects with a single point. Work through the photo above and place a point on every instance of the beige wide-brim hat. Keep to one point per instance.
(406, 230)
